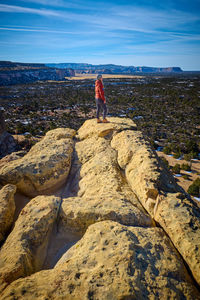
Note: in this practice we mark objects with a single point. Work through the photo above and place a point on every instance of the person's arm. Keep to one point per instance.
(101, 92)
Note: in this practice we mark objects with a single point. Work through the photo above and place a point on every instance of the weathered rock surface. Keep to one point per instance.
(11, 157)
(91, 128)
(24, 251)
(7, 208)
(78, 213)
(180, 218)
(156, 190)
(102, 189)
(144, 173)
(44, 167)
(101, 241)
(112, 262)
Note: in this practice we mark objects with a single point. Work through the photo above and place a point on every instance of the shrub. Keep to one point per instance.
(167, 149)
(194, 188)
(186, 177)
(191, 146)
(176, 169)
(185, 167)
(190, 155)
(177, 155)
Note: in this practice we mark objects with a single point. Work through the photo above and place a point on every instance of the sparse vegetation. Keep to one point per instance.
(185, 167)
(194, 188)
(166, 109)
(176, 169)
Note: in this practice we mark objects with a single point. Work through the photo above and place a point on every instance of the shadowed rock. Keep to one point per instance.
(7, 208)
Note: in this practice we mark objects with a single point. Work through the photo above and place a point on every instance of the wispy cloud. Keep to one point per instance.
(41, 30)
(20, 9)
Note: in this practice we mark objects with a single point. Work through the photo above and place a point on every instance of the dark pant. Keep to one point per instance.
(101, 105)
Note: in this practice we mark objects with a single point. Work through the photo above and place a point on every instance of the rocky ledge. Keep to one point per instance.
(94, 214)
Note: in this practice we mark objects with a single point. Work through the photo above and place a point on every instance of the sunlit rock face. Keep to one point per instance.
(113, 224)
(45, 166)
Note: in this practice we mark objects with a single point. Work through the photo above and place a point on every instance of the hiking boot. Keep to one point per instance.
(99, 121)
(105, 121)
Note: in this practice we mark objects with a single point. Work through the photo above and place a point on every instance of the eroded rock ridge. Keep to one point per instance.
(97, 217)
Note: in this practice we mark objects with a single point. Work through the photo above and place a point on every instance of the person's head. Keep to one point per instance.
(99, 77)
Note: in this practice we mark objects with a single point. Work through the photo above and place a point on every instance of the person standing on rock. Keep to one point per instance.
(100, 99)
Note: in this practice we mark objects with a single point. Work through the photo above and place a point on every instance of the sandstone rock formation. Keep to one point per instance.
(119, 228)
(45, 166)
(144, 173)
(7, 208)
(180, 218)
(24, 251)
(112, 262)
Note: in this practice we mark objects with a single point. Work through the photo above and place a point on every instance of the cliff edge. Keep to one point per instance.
(95, 215)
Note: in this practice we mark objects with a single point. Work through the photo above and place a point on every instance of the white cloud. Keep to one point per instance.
(20, 9)
(40, 30)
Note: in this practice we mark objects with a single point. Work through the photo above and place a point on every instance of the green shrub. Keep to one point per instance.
(194, 188)
(167, 149)
(190, 155)
(185, 167)
(186, 177)
(176, 169)
(177, 155)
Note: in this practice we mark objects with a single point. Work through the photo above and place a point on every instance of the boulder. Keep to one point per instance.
(24, 251)
(78, 213)
(7, 142)
(180, 218)
(147, 178)
(7, 209)
(11, 157)
(45, 167)
(112, 262)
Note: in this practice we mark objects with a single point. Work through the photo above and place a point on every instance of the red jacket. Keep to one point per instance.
(99, 92)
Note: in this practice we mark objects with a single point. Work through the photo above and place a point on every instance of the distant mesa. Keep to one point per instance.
(112, 69)
(19, 73)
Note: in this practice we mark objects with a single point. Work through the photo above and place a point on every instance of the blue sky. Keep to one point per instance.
(137, 33)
